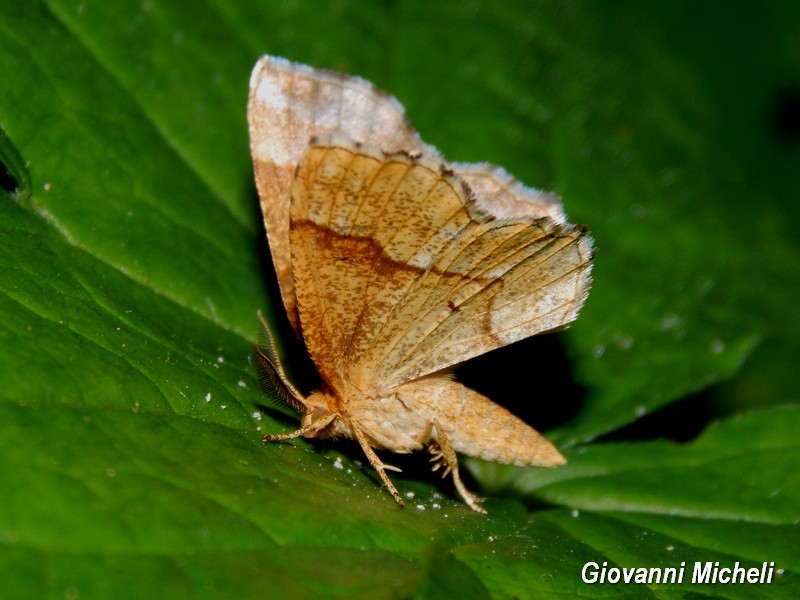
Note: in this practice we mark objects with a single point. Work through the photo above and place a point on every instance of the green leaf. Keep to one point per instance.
(133, 261)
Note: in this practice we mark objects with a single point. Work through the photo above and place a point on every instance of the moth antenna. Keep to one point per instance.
(272, 376)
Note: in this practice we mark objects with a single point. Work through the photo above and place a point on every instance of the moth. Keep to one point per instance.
(394, 266)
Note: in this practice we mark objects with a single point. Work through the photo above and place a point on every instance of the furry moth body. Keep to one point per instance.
(394, 266)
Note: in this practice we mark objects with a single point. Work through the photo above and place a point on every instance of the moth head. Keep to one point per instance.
(320, 414)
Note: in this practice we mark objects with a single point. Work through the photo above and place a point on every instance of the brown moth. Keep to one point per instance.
(394, 266)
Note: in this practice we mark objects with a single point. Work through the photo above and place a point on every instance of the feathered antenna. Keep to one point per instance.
(272, 377)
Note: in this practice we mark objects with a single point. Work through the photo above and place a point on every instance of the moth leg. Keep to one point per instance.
(438, 459)
(377, 464)
(309, 430)
(445, 455)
